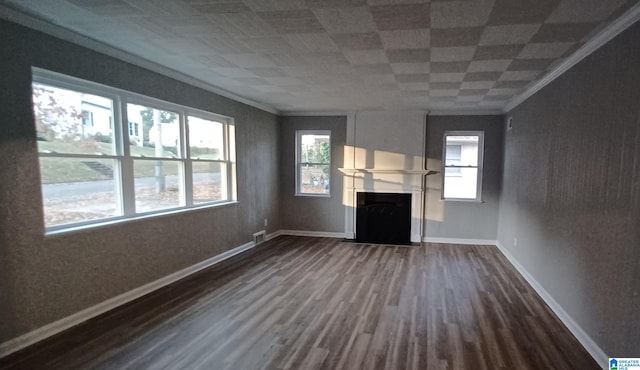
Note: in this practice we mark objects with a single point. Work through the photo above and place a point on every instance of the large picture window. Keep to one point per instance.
(107, 154)
(313, 162)
(462, 158)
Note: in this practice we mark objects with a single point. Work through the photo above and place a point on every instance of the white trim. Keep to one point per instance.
(35, 23)
(77, 318)
(273, 235)
(317, 234)
(428, 239)
(607, 34)
(589, 344)
(314, 113)
(468, 112)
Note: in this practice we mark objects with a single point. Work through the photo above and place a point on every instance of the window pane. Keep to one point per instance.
(460, 183)
(75, 190)
(315, 149)
(314, 179)
(205, 138)
(72, 122)
(209, 182)
(158, 185)
(468, 150)
(153, 132)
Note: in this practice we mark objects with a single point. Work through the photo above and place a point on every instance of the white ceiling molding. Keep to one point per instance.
(470, 112)
(89, 43)
(630, 17)
(314, 113)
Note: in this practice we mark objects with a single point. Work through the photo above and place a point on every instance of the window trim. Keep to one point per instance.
(123, 171)
(299, 163)
(479, 167)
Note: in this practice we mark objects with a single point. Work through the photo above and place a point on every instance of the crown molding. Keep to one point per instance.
(36, 23)
(630, 17)
(466, 112)
(313, 113)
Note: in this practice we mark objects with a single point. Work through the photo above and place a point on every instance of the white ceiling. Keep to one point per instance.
(342, 55)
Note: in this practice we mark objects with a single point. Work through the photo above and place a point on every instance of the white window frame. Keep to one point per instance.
(123, 171)
(299, 163)
(479, 167)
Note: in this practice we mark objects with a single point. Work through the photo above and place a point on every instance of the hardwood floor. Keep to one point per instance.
(315, 303)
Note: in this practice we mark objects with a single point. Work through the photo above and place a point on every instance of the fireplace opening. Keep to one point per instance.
(383, 218)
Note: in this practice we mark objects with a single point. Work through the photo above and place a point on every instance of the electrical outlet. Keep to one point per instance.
(266, 222)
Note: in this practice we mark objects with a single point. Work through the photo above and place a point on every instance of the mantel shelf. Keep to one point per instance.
(351, 171)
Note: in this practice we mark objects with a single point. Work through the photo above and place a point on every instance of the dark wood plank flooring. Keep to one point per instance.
(315, 303)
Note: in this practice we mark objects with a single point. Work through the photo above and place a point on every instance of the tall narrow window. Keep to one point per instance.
(462, 154)
(108, 154)
(313, 162)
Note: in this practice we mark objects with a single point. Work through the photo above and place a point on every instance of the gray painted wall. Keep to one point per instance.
(312, 213)
(43, 280)
(461, 219)
(571, 192)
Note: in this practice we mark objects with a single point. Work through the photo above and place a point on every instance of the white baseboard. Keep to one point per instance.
(319, 234)
(56, 327)
(592, 347)
(459, 241)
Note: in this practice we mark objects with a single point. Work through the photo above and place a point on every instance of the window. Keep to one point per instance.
(313, 162)
(107, 154)
(462, 154)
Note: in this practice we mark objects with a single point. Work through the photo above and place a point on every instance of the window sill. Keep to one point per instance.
(74, 229)
(312, 195)
(462, 200)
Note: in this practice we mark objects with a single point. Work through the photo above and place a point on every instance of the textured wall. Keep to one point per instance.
(45, 279)
(571, 192)
(461, 219)
(311, 213)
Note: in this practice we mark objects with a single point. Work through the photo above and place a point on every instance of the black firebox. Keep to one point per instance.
(383, 218)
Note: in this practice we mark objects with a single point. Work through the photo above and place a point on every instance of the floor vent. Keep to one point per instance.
(259, 237)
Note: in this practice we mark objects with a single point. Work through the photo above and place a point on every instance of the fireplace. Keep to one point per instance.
(383, 218)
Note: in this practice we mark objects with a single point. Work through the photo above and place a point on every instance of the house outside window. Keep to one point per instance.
(313, 162)
(462, 158)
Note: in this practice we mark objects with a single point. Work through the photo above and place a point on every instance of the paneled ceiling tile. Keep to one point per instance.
(108, 8)
(267, 44)
(475, 85)
(283, 81)
(251, 81)
(225, 45)
(153, 28)
(402, 68)
(470, 98)
(406, 39)
(292, 21)
(521, 11)
(401, 17)
(334, 3)
(366, 56)
(325, 59)
(188, 46)
(357, 41)
(214, 61)
(234, 72)
(452, 54)
(504, 91)
(530, 64)
(346, 20)
(311, 42)
(460, 36)
(416, 77)
(267, 72)
(519, 75)
(448, 14)
(408, 55)
(250, 60)
(441, 67)
(510, 84)
(410, 93)
(473, 92)
(447, 92)
(373, 69)
(270, 89)
(242, 24)
(273, 5)
(544, 50)
(563, 32)
(445, 85)
(499, 65)
(508, 34)
(482, 76)
(446, 77)
(220, 7)
(498, 98)
(287, 59)
(570, 11)
(497, 52)
(414, 86)
(379, 80)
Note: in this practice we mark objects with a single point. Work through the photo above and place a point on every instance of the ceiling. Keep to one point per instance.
(344, 55)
